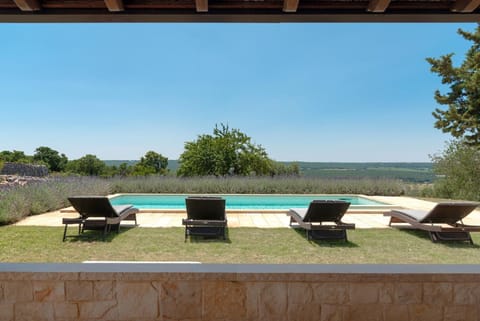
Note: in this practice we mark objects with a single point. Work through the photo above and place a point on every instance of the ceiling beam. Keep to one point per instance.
(114, 5)
(378, 5)
(290, 5)
(201, 5)
(465, 6)
(28, 5)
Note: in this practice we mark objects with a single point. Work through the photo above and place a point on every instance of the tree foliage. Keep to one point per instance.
(459, 170)
(461, 118)
(14, 157)
(55, 161)
(89, 165)
(225, 152)
(151, 163)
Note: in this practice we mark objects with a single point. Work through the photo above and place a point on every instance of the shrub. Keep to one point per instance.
(459, 168)
(40, 197)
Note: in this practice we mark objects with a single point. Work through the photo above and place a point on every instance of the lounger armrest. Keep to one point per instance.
(346, 225)
(187, 221)
(76, 220)
(471, 228)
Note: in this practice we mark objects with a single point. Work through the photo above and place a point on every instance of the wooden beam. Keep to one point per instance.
(290, 5)
(378, 5)
(114, 5)
(28, 5)
(201, 5)
(465, 6)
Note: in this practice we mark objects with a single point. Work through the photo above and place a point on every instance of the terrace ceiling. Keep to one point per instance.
(239, 10)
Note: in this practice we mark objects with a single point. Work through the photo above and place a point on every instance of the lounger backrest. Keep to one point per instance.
(93, 206)
(449, 213)
(205, 208)
(326, 211)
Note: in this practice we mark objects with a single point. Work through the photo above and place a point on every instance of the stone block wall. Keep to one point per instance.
(24, 169)
(239, 296)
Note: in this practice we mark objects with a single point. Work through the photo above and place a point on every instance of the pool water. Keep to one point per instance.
(238, 202)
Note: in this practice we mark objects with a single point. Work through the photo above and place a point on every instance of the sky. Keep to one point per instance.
(320, 92)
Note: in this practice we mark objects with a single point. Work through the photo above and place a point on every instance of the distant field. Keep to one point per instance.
(408, 172)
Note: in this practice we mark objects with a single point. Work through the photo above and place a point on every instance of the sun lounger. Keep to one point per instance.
(205, 217)
(318, 213)
(97, 213)
(443, 222)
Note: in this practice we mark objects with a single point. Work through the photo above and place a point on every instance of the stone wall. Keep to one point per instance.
(156, 293)
(24, 169)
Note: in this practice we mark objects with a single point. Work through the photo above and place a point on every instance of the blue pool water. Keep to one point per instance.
(240, 202)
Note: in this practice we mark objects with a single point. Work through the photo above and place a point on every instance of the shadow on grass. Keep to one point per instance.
(96, 235)
(425, 236)
(210, 239)
(325, 242)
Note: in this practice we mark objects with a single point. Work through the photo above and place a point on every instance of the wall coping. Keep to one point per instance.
(195, 267)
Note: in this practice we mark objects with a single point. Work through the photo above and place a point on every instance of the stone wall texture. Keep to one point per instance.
(24, 169)
(238, 296)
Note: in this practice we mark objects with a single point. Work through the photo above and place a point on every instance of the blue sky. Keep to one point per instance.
(310, 92)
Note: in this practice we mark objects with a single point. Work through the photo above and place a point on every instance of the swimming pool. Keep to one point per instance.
(239, 202)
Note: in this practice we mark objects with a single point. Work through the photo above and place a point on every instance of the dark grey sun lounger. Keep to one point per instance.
(443, 222)
(97, 213)
(205, 217)
(318, 213)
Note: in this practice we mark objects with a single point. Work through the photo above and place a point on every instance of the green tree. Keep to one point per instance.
(461, 118)
(458, 167)
(124, 169)
(15, 157)
(151, 163)
(87, 165)
(226, 152)
(50, 157)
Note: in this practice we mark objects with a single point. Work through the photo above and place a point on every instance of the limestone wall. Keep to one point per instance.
(156, 293)
(24, 169)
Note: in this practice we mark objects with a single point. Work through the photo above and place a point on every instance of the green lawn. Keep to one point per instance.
(244, 245)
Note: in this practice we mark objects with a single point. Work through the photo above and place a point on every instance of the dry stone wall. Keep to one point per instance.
(24, 169)
(238, 296)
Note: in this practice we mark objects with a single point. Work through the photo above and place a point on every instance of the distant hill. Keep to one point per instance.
(408, 172)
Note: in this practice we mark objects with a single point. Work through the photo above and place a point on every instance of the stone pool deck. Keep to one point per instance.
(365, 219)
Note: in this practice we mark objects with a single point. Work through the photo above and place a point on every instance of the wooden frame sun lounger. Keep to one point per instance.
(443, 223)
(97, 213)
(205, 217)
(318, 213)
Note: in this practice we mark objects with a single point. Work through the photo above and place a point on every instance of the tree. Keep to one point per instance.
(151, 163)
(226, 152)
(459, 169)
(15, 157)
(54, 161)
(462, 117)
(87, 165)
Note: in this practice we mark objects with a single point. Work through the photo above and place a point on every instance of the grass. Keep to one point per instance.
(244, 245)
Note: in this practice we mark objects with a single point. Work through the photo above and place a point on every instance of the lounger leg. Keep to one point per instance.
(65, 233)
(433, 237)
(185, 234)
(470, 238)
(105, 230)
